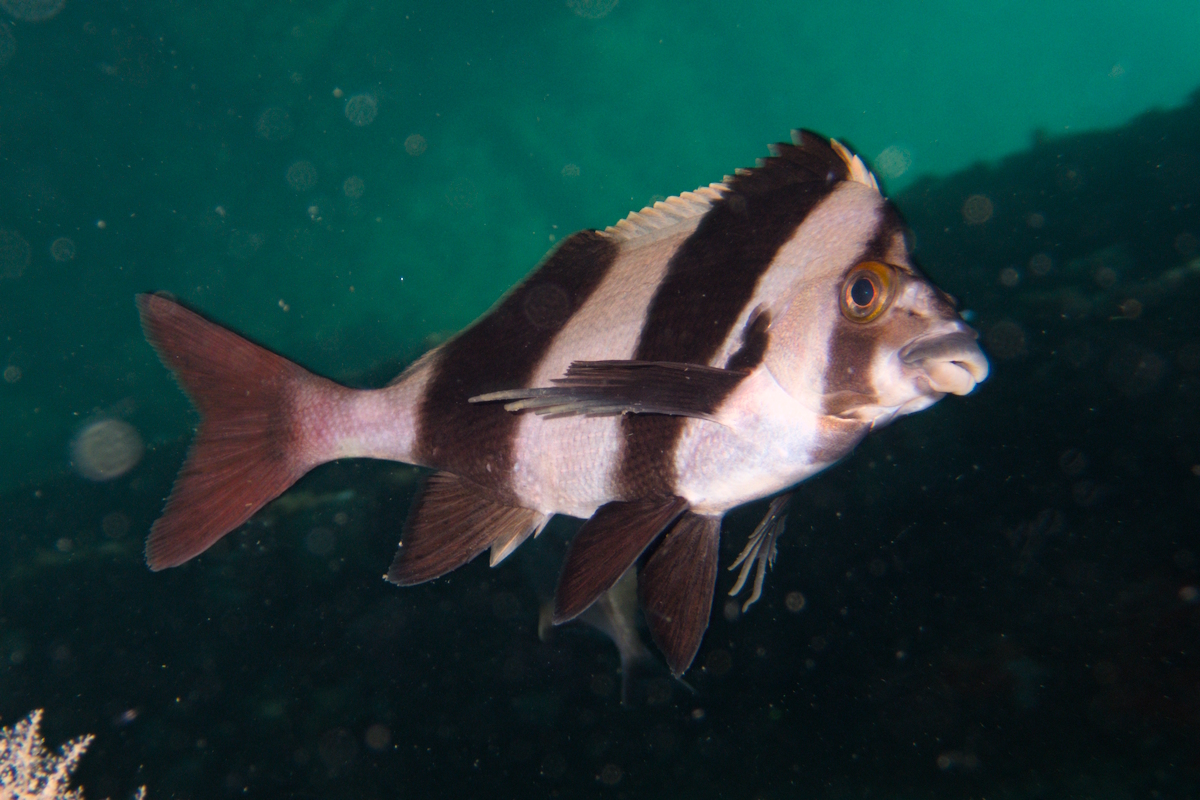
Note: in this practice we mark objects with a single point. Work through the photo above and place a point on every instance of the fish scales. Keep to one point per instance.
(710, 350)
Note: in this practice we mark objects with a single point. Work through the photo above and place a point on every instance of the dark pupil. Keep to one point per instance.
(862, 292)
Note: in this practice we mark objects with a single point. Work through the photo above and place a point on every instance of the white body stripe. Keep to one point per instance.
(762, 445)
(567, 465)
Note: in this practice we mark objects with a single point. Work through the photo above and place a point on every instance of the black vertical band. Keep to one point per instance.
(709, 282)
(501, 351)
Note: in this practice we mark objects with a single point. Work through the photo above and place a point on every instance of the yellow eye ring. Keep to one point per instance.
(867, 291)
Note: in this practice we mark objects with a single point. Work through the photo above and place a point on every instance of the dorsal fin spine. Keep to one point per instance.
(689, 205)
(858, 170)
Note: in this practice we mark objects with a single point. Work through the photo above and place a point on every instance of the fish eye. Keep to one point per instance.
(866, 291)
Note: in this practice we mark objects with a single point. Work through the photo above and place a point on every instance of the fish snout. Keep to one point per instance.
(952, 362)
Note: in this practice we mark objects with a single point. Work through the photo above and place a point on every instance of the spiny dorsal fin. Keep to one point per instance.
(858, 170)
(808, 158)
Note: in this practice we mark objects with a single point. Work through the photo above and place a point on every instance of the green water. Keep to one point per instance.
(1001, 592)
(536, 122)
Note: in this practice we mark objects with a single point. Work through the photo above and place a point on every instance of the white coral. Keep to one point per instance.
(29, 772)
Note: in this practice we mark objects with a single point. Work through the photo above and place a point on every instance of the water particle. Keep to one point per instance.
(719, 662)
(362, 108)
(1131, 308)
(1189, 595)
(62, 249)
(377, 737)
(570, 171)
(14, 254)
(1040, 264)
(547, 305)
(1036, 220)
(12, 373)
(320, 541)
(1005, 340)
(1105, 277)
(795, 602)
(353, 187)
(592, 9)
(106, 449)
(893, 162)
(610, 775)
(415, 145)
(977, 209)
(302, 176)
(274, 124)
(32, 10)
(1009, 277)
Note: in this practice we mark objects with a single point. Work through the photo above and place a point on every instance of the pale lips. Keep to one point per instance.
(952, 362)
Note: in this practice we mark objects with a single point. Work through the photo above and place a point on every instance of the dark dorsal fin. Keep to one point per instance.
(452, 522)
(677, 586)
(809, 158)
(608, 388)
(606, 546)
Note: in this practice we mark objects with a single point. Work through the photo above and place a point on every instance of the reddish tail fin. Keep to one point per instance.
(247, 450)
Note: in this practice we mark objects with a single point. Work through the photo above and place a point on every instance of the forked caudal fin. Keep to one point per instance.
(251, 443)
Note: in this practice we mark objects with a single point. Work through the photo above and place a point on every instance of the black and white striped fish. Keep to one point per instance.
(714, 349)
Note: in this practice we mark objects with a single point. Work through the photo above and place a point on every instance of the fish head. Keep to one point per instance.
(862, 335)
(898, 346)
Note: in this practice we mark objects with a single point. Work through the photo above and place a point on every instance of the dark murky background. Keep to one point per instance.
(997, 597)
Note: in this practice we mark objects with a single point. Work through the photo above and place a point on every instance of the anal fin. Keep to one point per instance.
(452, 522)
(676, 587)
(606, 546)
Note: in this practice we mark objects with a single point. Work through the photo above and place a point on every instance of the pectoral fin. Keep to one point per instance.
(609, 388)
(677, 586)
(606, 546)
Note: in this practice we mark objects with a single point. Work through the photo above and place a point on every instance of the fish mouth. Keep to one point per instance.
(951, 362)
